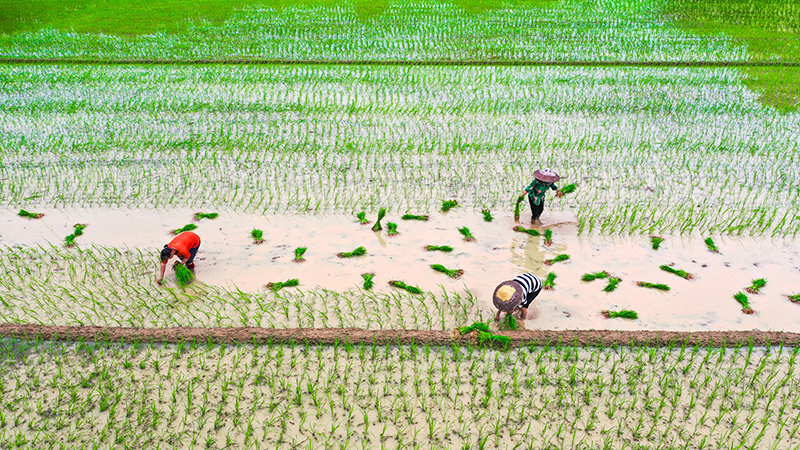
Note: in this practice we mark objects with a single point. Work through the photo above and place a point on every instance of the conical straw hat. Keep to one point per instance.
(546, 175)
(507, 296)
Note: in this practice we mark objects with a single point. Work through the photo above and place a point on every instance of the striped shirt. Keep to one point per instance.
(530, 283)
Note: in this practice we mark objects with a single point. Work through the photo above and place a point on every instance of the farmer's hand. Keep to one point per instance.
(559, 193)
(497, 316)
(159, 280)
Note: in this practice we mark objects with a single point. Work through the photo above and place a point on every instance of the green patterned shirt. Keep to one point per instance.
(537, 189)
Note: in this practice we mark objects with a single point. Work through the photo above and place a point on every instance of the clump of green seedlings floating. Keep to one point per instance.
(613, 282)
(681, 273)
(467, 234)
(29, 215)
(381, 215)
(455, 274)
(187, 227)
(359, 251)
(712, 247)
(549, 283)
(518, 207)
(657, 286)
(298, 254)
(447, 205)
(532, 232)
(278, 285)
(487, 215)
(202, 215)
(569, 189)
(183, 275)
(756, 286)
(362, 218)
(548, 237)
(794, 298)
(655, 242)
(402, 285)
(624, 314)
(595, 276)
(78, 228)
(741, 297)
(422, 218)
(257, 235)
(392, 229)
(559, 258)
(368, 283)
(439, 248)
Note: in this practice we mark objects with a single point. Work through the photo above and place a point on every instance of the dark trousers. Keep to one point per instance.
(192, 252)
(536, 210)
(529, 298)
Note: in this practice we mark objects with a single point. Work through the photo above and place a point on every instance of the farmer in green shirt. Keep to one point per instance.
(543, 180)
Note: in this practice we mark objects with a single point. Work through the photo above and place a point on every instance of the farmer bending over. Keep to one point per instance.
(515, 294)
(184, 246)
(543, 179)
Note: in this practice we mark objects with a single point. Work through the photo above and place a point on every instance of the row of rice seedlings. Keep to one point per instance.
(557, 258)
(658, 286)
(439, 248)
(625, 314)
(452, 273)
(29, 215)
(467, 234)
(257, 235)
(201, 215)
(549, 283)
(187, 227)
(679, 272)
(78, 228)
(278, 285)
(358, 251)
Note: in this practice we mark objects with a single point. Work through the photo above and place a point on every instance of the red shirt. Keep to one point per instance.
(185, 242)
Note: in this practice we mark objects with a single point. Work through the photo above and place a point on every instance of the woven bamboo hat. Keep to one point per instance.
(546, 175)
(507, 296)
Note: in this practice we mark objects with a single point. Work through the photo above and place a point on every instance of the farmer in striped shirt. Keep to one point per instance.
(515, 294)
(184, 246)
(543, 180)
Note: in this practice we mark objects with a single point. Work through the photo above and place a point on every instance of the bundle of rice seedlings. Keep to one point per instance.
(183, 275)
(298, 254)
(381, 214)
(422, 218)
(440, 248)
(549, 283)
(401, 285)
(493, 339)
(362, 218)
(594, 276)
(510, 323)
(368, 283)
(517, 207)
(447, 205)
(257, 235)
(741, 297)
(487, 215)
(187, 227)
(656, 241)
(711, 246)
(392, 231)
(647, 284)
(527, 230)
(559, 258)
(455, 274)
(201, 215)
(612, 284)
(795, 298)
(755, 287)
(681, 273)
(625, 314)
(360, 251)
(480, 326)
(467, 234)
(278, 285)
(77, 231)
(569, 189)
(30, 215)
(548, 237)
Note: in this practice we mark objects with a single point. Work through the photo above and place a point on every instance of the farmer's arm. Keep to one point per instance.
(497, 316)
(163, 269)
(524, 313)
(558, 191)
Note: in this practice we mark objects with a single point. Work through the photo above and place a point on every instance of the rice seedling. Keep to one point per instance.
(549, 283)
(187, 227)
(201, 215)
(518, 207)
(447, 205)
(402, 285)
(423, 218)
(257, 235)
(510, 323)
(485, 338)
(298, 254)
(183, 275)
(678, 272)
(595, 276)
(77, 231)
(30, 215)
(741, 297)
(558, 258)
(381, 215)
(362, 218)
(532, 232)
(655, 242)
(368, 283)
(711, 246)
(359, 251)
(658, 286)
(612, 284)
(439, 248)
(624, 314)
(467, 234)
(487, 215)
(455, 274)
(392, 229)
(479, 326)
(569, 189)
(795, 298)
(756, 285)
(548, 237)
(278, 285)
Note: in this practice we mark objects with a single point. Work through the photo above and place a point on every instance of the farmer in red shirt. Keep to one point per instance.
(184, 246)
